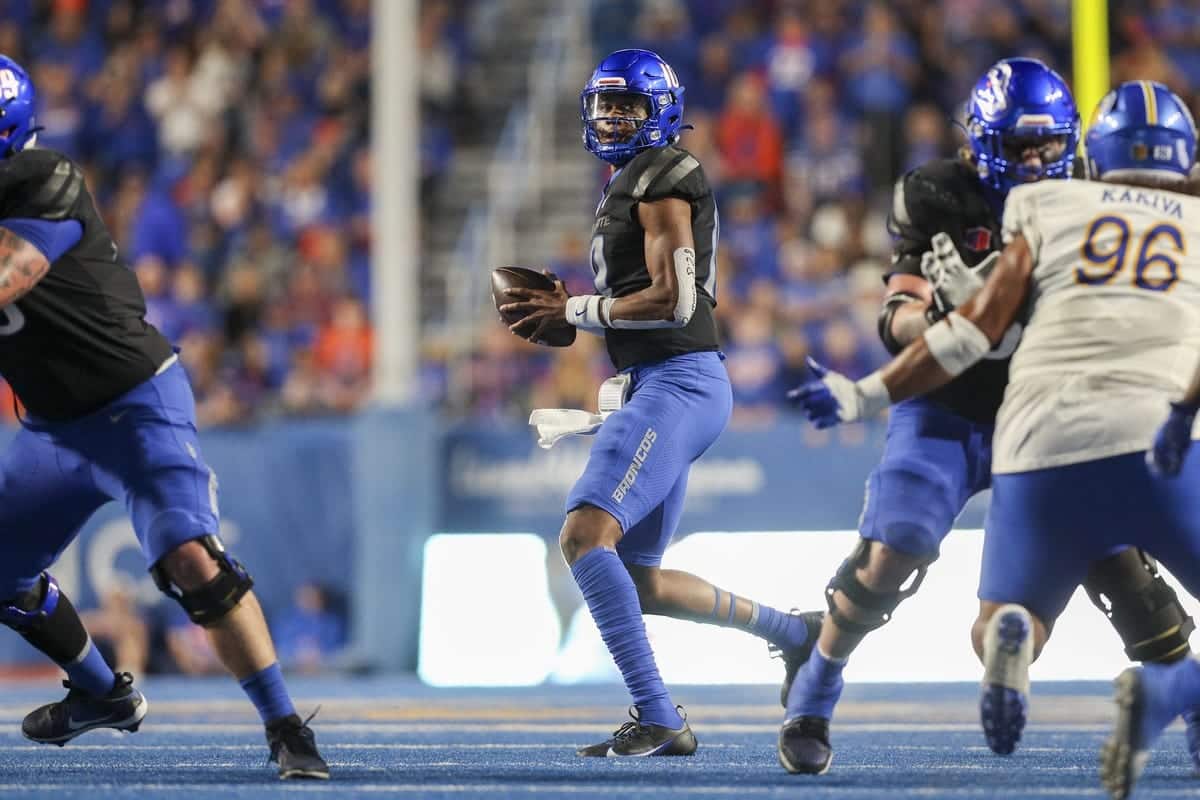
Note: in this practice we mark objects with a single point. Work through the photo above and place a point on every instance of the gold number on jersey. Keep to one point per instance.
(1154, 270)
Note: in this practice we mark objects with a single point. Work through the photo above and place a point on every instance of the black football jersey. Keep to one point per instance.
(946, 195)
(78, 339)
(619, 251)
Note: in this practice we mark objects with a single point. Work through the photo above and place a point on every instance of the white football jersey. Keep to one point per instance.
(1112, 323)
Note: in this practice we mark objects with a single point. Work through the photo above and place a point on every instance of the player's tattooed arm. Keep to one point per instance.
(944, 352)
(21, 266)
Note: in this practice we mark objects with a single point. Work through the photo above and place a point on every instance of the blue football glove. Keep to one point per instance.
(1172, 441)
(828, 398)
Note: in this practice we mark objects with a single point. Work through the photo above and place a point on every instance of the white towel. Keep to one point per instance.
(553, 424)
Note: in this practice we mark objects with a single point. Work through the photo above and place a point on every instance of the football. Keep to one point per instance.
(525, 278)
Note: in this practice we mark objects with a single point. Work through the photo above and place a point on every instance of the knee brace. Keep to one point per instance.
(207, 604)
(1152, 623)
(881, 604)
(47, 620)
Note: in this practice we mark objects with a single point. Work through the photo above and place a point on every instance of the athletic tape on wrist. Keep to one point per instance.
(589, 311)
(874, 392)
(956, 343)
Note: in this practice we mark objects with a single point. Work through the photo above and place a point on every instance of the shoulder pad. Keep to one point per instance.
(929, 192)
(665, 172)
(39, 184)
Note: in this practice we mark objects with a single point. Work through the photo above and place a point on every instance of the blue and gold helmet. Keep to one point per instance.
(632, 102)
(1141, 128)
(18, 99)
(1019, 103)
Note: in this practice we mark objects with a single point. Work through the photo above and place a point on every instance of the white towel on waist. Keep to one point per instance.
(553, 424)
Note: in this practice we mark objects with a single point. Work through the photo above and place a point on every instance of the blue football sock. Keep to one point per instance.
(612, 598)
(786, 631)
(267, 691)
(1185, 685)
(817, 687)
(91, 673)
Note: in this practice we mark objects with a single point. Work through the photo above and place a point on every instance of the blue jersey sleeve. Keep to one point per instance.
(52, 237)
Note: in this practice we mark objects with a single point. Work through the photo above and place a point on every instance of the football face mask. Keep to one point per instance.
(1028, 156)
(616, 117)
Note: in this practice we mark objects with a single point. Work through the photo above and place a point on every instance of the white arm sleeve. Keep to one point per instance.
(684, 259)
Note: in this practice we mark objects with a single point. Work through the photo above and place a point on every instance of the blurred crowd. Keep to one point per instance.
(226, 142)
(310, 635)
(804, 114)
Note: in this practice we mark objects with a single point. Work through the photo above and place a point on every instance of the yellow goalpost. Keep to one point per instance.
(1089, 47)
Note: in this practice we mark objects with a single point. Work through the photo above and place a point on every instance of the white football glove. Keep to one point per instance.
(952, 280)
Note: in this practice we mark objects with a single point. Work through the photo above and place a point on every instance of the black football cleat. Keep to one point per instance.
(121, 709)
(804, 746)
(294, 749)
(794, 659)
(635, 740)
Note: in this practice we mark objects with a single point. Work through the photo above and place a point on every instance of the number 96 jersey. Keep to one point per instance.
(1113, 329)
(619, 251)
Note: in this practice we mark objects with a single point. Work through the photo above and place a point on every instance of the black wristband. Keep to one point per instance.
(933, 314)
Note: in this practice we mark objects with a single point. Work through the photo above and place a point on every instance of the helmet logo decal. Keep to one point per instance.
(610, 82)
(992, 97)
(10, 87)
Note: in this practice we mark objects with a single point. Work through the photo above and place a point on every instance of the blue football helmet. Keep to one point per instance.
(18, 99)
(632, 102)
(1141, 127)
(1018, 103)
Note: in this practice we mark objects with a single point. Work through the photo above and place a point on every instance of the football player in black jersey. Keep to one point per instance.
(653, 254)
(109, 416)
(1022, 126)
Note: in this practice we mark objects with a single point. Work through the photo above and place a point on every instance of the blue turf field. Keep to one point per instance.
(396, 738)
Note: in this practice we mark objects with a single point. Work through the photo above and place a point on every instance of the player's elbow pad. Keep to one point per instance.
(890, 306)
(684, 259)
(956, 343)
